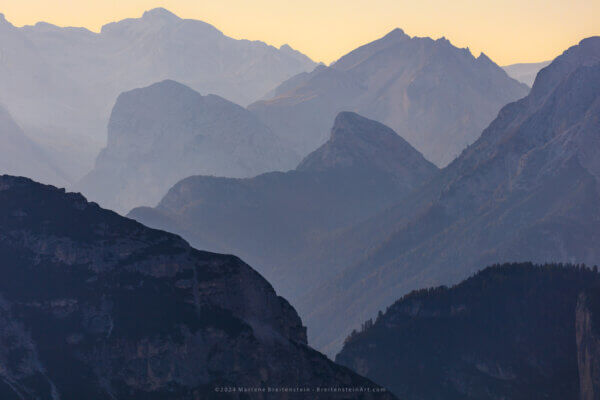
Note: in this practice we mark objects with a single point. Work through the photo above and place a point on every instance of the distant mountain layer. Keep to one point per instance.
(436, 96)
(528, 189)
(274, 218)
(61, 83)
(506, 333)
(21, 156)
(166, 132)
(97, 306)
(525, 72)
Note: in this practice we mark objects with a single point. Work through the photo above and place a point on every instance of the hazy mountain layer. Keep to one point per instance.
(525, 72)
(506, 333)
(274, 218)
(434, 95)
(528, 189)
(166, 132)
(97, 306)
(60, 84)
(21, 156)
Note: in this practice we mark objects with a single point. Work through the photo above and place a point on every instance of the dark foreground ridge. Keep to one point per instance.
(97, 306)
(506, 333)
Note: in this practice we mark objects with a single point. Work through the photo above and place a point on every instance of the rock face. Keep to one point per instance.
(506, 333)
(274, 218)
(60, 84)
(21, 156)
(528, 189)
(525, 72)
(588, 343)
(436, 96)
(166, 132)
(97, 306)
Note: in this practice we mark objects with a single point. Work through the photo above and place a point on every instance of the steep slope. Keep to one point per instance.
(528, 189)
(165, 132)
(61, 83)
(588, 343)
(97, 306)
(525, 72)
(506, 333)
(276, 217)
(20, 156)
(434, 95)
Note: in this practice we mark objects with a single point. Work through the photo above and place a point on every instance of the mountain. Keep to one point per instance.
(506, 333)
(528, 189)
(165, 132)
(587, 325)
(434, 95)
(525, 72)
(60, 84)
(273, 218)
(97, 306)
(21, 156)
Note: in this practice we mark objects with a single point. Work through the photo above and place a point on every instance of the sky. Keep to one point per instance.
(508, 31)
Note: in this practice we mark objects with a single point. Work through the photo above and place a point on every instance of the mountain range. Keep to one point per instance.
(60, 84)
(527, 189)
(165, 132)
(509, 332)
(273, 218)
(97, 306)
(436, 96)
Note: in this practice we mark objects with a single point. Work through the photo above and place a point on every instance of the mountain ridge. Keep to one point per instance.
(274, 217)
(165, 132)
(60, 84)
(527, 189)
(434, 95)
(97, 306)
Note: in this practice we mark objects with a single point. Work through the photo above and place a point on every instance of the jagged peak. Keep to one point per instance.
(484, 58)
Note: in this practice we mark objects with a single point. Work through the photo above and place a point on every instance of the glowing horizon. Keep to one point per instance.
(532, 32)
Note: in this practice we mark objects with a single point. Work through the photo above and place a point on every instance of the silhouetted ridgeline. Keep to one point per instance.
(508, 332)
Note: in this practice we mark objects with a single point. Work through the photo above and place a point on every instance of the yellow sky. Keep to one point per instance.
(508, 31)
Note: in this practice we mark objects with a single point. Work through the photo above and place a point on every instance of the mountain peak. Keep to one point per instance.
(396, 33)
(160, 13)
(484, 58)
(359, 142)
